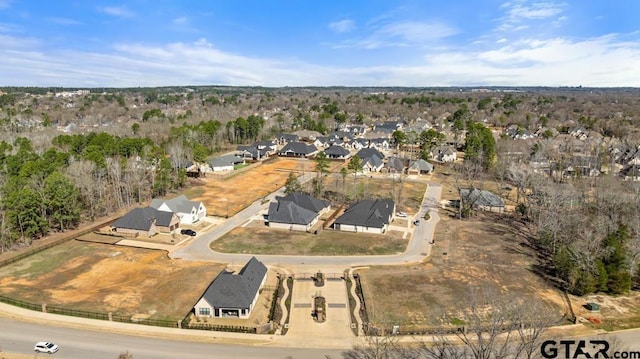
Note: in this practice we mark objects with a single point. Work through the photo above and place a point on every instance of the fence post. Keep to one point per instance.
(44, 307)
(110, 315)
(179, 324)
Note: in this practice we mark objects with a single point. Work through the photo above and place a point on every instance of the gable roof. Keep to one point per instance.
(142, 219)
(236, 290)
(481, 197)
(373, 213)
(369, 152)
(180, 204)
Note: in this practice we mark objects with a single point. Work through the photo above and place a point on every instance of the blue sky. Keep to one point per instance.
(130, 43)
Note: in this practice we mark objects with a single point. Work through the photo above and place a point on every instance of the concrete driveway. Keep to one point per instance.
(337, 327)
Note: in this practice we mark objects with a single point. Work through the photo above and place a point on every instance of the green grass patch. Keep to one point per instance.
(239, 166)
(326, 243)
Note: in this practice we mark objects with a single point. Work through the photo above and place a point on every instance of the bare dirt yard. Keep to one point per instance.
(227, 196)
(479, 253)
(483, 253)
(105, 278)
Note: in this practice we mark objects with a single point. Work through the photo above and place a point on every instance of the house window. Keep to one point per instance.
(204, 311)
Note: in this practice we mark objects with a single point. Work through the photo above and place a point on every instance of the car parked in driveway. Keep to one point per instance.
(46, 347)
(401, 215)
(188, 232)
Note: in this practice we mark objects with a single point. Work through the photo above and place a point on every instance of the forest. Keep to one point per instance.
(67, 157)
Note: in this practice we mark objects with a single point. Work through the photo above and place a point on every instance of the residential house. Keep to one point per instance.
(188, 211)
(233, 295)
(580, 133)
(420, 167)
(337, 152)
(359, 143)
(225, 163)
(296, 212)
(369, 216)
(146, 222)
(379, 143)
(395, 165)
(371, 159)
(298, 149)
(443, 154)
(252, 152)
(284, 138)
(481, 199)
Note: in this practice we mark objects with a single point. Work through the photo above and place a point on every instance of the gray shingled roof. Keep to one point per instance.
(481, 198)
(226, 160)
(305, 201)
(369, 152)
(299, 148)
(289, 212)
(230, 290)
(336, 150)
(141, 219)
(374, 213)
(422, 165)
(180, 204)
(396, 163)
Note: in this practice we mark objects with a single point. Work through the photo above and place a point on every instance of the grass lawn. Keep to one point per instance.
(106, 278)
(328, 242)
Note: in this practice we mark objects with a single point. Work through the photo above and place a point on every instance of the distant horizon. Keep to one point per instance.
(284, 43)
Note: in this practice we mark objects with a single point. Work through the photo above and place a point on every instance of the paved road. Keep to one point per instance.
(19, 337)
(417, 249)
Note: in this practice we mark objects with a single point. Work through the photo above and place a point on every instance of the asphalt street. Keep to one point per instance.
(418, 248)
(20, 337)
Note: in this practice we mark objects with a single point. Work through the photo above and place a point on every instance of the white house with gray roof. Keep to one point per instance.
(188, 211)
(233, 295)
(369, 216)
(225, 163)
(296, 212)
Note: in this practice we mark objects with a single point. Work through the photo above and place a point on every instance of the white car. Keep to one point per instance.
(46, 347)
(401, 215)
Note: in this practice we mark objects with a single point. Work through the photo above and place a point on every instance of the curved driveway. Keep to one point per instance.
(418, 248)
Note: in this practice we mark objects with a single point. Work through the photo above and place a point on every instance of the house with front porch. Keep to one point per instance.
(233, 295)
(296, 212)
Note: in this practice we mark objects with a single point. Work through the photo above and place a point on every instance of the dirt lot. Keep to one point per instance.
(477, 253)
(106, 278)
(228, 196)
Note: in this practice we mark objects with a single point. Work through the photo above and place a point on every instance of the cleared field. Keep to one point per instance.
(480, 253)
(105, 278)
(262, 240)
(228, 196)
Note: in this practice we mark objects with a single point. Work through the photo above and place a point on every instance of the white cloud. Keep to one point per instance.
(519, 14)
(118, 11)
(548, 62)
(5, 3)
(401, 34)
(342, 26)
